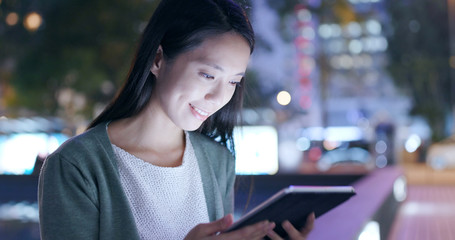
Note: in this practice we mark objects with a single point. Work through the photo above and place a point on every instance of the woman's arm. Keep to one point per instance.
(67, 204)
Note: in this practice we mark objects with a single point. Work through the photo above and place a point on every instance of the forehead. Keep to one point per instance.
(228, 50)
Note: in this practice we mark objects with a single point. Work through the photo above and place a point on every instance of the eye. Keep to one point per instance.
(235, 83)
(205, 75)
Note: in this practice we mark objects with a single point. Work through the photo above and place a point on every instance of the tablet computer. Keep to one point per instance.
(295, 203)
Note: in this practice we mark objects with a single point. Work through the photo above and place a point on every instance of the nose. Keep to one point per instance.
(217, 94)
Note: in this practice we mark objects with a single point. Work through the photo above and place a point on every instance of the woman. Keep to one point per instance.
(155, 164)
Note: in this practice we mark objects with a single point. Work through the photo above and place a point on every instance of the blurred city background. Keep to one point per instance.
(339, 92)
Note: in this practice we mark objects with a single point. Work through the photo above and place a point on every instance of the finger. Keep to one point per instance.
(222, 224)
(309, 225)
(292, 232)
(273, 235)
(255, 231)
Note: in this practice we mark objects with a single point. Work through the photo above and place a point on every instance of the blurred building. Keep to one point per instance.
(330, 57)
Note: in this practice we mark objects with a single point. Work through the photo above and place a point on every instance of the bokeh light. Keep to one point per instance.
(381, 147)
(33, 21)
(373, 27)
(412, 143)
(12, 19)
(283, 98)
(303, 144)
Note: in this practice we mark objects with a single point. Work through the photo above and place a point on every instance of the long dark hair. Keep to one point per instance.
(179, 26)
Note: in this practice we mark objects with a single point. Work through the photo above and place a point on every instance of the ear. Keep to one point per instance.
(157, 62)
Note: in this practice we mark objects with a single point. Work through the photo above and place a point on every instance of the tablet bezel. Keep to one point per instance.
(335, 195)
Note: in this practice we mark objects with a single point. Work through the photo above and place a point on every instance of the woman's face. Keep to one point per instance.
(198, 83)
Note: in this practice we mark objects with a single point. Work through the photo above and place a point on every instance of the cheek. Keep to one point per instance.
(171, 87)
(229, 94)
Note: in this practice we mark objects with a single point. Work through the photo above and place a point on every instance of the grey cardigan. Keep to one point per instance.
(80, 195)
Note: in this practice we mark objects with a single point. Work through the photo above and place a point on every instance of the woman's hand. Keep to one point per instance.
(211, 230)
(293, 233)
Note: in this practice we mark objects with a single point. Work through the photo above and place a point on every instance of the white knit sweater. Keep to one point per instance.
(167, 202)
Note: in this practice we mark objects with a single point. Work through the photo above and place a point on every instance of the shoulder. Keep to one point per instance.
(88, 145)
(212, 153)
(209, 145)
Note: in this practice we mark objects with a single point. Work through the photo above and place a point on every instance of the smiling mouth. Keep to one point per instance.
(200, 114)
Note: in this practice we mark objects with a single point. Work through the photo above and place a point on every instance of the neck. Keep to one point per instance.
(150, 131)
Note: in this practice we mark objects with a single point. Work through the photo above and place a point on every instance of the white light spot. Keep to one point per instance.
(303, 144)
(283, 98)
(373, 27)
(381, 147)
(412, 143)
(371, 231)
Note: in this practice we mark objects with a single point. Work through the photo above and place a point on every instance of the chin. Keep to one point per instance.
(191, 127)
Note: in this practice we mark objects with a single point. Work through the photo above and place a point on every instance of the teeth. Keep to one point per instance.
(200, 111)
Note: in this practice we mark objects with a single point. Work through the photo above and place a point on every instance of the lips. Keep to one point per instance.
(199, 113)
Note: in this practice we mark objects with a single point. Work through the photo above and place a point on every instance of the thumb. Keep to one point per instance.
(219, 225)
(205, 230)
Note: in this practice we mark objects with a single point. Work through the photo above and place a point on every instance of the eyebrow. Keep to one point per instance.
(221, 69)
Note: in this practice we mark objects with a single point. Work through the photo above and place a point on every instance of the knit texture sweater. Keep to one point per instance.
(80, 195)
(169, 198)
